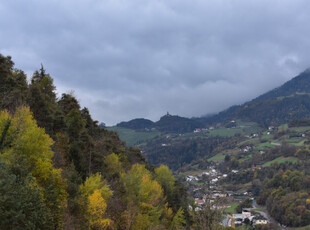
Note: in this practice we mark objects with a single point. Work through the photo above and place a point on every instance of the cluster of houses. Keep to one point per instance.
(247, 217)
(211, 176)
(246, 149)
(192, 178)
(198, 130)
(200, 203)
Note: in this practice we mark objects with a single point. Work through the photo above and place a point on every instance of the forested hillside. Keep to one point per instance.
(275, 107)
(60, 170)
(177, 152)
(167, 123)
(137, 124)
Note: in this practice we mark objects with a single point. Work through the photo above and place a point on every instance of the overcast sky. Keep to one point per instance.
(141, 58)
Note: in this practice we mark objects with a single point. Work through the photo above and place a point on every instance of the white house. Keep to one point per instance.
(260, 221)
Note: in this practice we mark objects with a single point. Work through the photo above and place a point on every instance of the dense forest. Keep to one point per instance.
(178, 152)
(137, 124)
(167, 123)
(287, 198)
(60, 170)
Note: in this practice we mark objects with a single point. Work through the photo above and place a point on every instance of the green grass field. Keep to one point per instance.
(266, 137)
(247, 157)
(245, 123)
(293, 140)
(232, 208)
(302, 228)
(300, 143)
(230, 132)
(251, 130)
(132, 137)
(300, 129)
(250, 141)
(224, 132)
(265, 145)
(281, 160)
(283, 127)
(217, 157)
(296, 141)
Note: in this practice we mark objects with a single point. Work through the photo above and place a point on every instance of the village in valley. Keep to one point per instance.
(206, 187)
(228, 166)
(205, 190)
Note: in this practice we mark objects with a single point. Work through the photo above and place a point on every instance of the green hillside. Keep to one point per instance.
(137, 124)
(133, 137)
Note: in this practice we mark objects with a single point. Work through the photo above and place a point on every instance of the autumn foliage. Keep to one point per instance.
(60, 170)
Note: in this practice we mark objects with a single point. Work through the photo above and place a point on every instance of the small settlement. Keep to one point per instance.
(205, 191)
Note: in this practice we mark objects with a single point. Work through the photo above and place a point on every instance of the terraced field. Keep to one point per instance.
(281, 160)
(132, 137)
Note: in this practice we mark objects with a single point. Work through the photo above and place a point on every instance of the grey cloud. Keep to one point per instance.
(138, 58)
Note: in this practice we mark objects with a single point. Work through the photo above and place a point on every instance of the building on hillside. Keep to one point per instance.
(259, 221)
(239, 218)
(200, 203)
(246, 212)
(197, 130)
(256, 167)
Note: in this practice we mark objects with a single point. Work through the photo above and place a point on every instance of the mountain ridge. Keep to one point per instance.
(286, 102)
(167, 123)
(280, 105)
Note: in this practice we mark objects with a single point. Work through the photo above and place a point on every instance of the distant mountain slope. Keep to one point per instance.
(298, 85)
(281, 105)
(167, 123)
(278, 106)
(137, 124)
(173, 123)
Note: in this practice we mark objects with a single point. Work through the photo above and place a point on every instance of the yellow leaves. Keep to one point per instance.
(165, 177)
(151, 192)
(96, 210)
(138, 171)
(4, 117)
(94, 182)
(43, 169)
(141, 222)
(27, 142)
(168, 211)
(255, 174)
(141, 187)
(90, 185)
(146, 194)
(308, 201)
(26, 138)
(114, 165)
(178, 221)
(94, 193)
